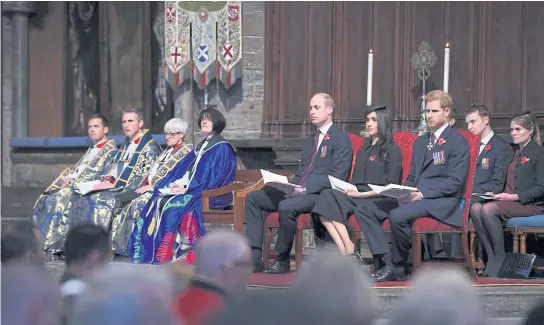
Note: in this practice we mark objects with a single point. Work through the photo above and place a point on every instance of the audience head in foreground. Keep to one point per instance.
(87, 247)
(438, 109)
(223, 259)
(222, 267)
(442, 296)
(22, 241)
(339, 287)
(123, 294)
(30, 296)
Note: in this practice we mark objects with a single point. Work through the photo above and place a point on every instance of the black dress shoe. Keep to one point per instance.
(388, 273)
(279, 267)
(258, 267)
(378, 265)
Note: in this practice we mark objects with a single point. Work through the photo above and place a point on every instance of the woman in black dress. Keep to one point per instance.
(378, 162)
(523, 194)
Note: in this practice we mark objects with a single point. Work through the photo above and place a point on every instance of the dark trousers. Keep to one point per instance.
(371, 214)
(270, 199)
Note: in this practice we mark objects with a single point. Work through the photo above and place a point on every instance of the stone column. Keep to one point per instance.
(20, 12)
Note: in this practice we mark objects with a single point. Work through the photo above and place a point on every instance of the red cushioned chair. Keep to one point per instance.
(405, 140)
(304, 221)
(433, 226)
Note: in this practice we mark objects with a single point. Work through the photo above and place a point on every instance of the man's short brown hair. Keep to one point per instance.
(482, 110)
(438, 95)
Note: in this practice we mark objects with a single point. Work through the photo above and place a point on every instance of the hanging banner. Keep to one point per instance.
(177, 27)
(229, 43)
(204, 46)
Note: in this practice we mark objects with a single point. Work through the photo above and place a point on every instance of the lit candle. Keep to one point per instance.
(369, 79)
(446, 67)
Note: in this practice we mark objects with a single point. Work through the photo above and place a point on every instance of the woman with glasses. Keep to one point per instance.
(523, 195)
(130, 204)
(171, 222)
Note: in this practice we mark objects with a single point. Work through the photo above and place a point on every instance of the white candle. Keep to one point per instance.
(369, 79)
(446, 67)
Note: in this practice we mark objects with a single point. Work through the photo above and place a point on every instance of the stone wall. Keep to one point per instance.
(7, 99)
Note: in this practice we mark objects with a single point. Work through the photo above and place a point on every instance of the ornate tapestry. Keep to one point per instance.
(203, 41)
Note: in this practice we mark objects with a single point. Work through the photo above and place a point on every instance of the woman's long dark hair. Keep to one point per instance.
(385, 131)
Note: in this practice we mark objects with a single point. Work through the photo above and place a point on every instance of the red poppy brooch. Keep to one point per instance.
(487, 147)
(372, 158)
(326, 137)
(524, 160)
(441, 141)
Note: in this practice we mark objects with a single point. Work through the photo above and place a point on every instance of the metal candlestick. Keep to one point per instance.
(422, 62)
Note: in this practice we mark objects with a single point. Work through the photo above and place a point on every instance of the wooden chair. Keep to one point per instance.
(405, 140)
(520, 227)
(304, 221)
(245, 181)
(432, 226)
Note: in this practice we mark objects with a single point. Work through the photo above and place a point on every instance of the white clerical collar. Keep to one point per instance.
(485, 141)
(438, 132)
(325, 128)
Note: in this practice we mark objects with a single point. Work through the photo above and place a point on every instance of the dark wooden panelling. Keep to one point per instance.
(532, 58)
(125, 59)
(495, 59)
(46, 66)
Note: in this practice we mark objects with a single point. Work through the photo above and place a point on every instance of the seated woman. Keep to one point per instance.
(171, 223)
(378, 162)
(130, 204)
(523, 194)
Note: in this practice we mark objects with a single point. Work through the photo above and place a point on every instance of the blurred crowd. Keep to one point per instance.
(330, 289)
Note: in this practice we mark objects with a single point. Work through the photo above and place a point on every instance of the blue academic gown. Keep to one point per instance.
(167, 232)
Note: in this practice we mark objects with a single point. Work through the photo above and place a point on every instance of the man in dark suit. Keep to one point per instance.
(438, 170)
(327, 152)
(493, 159)
(494, 155)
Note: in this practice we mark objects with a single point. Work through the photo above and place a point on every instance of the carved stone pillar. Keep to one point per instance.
(20, 12)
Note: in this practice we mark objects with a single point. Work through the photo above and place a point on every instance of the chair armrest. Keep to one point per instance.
(244, 191)
(223, 190)
(206, 195)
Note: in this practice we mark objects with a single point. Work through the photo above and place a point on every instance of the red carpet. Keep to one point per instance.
(286, 280)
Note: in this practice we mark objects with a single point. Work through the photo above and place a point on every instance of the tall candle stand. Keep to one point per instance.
(422, 62)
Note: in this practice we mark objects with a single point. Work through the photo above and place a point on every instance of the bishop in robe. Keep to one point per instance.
(171, 223)
(129, 209)
(50, 206)
(130, 165)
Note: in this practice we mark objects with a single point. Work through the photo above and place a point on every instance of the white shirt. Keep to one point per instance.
(88, 158)
(485, 141)
(185, 180)
(438, 132)
(322, 131)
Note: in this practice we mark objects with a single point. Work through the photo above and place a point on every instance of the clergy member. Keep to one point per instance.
(130, 210)
(49, 208)
(131, 164)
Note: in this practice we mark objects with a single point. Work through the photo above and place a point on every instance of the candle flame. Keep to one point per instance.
(370, 50)
(447, 44)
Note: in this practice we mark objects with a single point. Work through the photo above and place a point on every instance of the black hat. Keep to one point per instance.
(374, 107)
